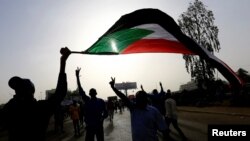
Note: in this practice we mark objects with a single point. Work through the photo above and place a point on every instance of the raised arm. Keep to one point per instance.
(149, 95)
(118, 93)
(161, 88)
(65, 52)
(81, 91)
(142, 88)
(61, 88)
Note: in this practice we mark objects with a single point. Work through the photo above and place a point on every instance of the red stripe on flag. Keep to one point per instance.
(156, 46)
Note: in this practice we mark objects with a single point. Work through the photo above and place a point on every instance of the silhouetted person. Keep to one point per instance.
(74, 110)
(81, 116)
(120, 106)
(59, 118)
(26, 118)
(146, 120)
(157, 99)
(94, 112)
(110, 108)
(171, 114)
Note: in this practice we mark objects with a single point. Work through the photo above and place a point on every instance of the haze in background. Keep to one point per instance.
(32, 33)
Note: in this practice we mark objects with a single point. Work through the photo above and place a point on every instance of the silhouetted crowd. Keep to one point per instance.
(26, 118)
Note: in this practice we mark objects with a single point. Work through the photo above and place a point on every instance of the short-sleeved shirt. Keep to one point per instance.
(94, 110)
(145, 123)
(74, 112)
(171, 110)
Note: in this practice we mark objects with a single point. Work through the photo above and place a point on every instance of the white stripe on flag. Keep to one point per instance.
(159, 32)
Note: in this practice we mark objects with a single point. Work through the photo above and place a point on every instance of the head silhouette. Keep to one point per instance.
(141, 99)
(23, 87)
(168, 94)
(169, 91)
(155, 91)
(92, 92)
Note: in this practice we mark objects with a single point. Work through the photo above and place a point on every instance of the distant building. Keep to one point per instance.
(49, 93)
(191, 85)
(71, 95)
(126, 86)
(112, 98)
(244, 76)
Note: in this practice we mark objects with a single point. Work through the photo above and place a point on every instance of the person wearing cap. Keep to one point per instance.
(26, 118)
(95, 112)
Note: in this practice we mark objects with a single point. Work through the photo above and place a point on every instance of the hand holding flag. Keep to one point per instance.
(65, 52)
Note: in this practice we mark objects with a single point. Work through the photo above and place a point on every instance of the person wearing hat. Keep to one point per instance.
(23, 116)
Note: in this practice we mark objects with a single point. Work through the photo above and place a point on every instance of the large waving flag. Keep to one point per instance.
(145, 38)
(153, 31)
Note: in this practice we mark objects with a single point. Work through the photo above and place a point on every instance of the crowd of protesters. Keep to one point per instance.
(150, 113)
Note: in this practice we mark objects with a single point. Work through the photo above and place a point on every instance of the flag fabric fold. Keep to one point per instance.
(145, 38)
(153, 31)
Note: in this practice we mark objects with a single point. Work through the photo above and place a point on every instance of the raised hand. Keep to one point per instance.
(142, 88)
(112, 82)
(161, 87)
(65, 53)
(78, 71)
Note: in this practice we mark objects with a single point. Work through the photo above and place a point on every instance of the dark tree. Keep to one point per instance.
(198, 23)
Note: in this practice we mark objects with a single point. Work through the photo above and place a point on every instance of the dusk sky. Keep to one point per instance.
(33, 31)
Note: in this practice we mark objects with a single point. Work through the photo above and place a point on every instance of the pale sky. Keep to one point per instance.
(33, 31)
